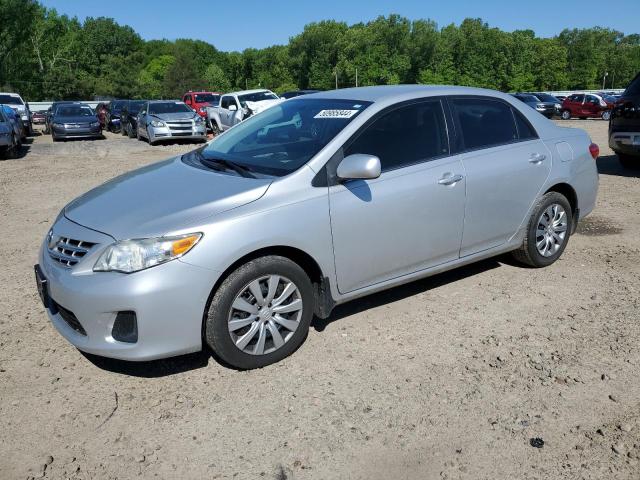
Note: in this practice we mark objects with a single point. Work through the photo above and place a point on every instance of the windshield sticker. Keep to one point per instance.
(336, 113)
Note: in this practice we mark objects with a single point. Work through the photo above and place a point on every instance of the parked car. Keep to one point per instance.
(545, 97)
(162, 120)
(585, 105)
(238, 106)
(75, 120)
(545, 108)
(200, 101)
(112, 116)
(129, 117)
(38, 117)
(297, 93)
(624, 126)
(9, 141)
(16, 122)
(51, 110)
(313, 202)
(16, 102)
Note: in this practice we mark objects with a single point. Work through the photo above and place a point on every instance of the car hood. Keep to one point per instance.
(160, 198)
(75, 119)
(174, 116)
(257, 107)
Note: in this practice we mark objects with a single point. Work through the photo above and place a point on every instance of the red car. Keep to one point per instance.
(199, 101)
(586, 105)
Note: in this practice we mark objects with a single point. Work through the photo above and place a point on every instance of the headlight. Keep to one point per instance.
(199, 120)
(95, 124)
(58, 125)
(129, 256)
(25, 117)
(156, 123)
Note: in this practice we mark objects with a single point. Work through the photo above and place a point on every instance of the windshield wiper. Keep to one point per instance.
(229, 165)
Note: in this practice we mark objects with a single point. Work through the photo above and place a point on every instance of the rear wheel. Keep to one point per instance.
(547, 232)
(566, 115)
(261, 313)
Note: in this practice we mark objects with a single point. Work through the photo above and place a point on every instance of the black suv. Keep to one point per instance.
(624, 126)
(129, 117)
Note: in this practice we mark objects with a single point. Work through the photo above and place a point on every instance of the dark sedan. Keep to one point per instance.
(548, 109)
(75, 121)
(129, 117)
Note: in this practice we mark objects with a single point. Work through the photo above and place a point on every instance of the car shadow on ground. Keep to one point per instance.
(610, 165)
(194, 361)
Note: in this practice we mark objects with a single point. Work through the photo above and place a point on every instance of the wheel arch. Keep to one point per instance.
(570, 194)
(324, 302)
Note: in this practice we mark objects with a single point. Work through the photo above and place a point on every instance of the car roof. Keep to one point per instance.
(245, 92)
(165, 101)
(384, 93)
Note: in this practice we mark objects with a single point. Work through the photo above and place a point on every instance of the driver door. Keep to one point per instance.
(411, 217)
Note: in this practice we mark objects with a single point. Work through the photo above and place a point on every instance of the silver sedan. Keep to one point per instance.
(314, 202)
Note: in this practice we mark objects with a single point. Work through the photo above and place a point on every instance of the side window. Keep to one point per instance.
(187, 99)
(404, 136)
(224, 103)
(579, 98)
(525, 130)
(484, 122)
(634, 87)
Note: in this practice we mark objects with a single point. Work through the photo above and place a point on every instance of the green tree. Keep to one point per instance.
(216, 79)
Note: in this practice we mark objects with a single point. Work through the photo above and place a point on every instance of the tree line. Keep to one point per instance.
(46, 56)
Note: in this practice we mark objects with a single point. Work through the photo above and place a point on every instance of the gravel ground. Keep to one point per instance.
(450, 377)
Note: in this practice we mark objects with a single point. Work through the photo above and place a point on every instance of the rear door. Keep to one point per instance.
(506, 165)
(408, 219)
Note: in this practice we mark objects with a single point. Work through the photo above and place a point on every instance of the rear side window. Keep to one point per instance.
(405, 135)
(484, 122)
(525, 130)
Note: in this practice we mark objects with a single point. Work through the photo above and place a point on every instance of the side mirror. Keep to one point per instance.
(359, 166)
(232, 108)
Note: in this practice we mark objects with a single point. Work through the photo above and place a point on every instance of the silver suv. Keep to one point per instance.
(316, 201)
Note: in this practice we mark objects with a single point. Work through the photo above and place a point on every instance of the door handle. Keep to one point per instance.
(449, 179)
(537, 158)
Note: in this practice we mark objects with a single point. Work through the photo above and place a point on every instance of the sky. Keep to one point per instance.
(258, 24)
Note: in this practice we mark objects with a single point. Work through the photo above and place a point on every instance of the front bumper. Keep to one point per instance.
(83, 132)
(170, 133)
(5, 140)
(169, 301)
(625, 142)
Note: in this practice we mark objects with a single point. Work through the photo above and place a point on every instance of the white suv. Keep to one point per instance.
(15, 101)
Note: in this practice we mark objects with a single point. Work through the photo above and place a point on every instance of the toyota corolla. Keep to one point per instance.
(316, 201)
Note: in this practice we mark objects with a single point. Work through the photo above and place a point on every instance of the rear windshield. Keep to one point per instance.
(527, 98)
(545, 97)
(11, 100)
(282, 138)
(168, 107)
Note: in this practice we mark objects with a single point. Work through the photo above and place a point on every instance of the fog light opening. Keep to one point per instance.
(125, 328)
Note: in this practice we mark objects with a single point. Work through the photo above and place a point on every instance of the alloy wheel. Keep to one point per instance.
(265, 315)
(551, 230)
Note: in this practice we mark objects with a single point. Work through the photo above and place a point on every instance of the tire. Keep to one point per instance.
(235, 288)
(566, 115)
(628, 161)
(213, 125)
(130, 133)
(606, 115)
(528, 253)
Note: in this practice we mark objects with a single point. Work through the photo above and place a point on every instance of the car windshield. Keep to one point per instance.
(281, 139)
(545, 97)
(256, 97)
(117, 106)
(135, 106)
(527, 98)
(74, 111)
(168, 107)
(207, 98)
(10, 100)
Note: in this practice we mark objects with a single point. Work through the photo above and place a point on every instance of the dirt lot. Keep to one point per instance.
(447, 378)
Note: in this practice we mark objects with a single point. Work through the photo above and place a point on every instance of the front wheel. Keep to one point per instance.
(606, 115)
(213, 125)
(547, 232)
(566, 115)
(261, 313)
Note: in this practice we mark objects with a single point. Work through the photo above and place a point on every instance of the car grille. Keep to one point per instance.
(179, 126)
(68, 251)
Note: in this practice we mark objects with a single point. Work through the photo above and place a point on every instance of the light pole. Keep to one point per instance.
(604, 77)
